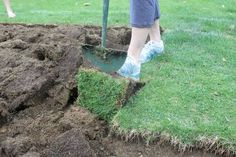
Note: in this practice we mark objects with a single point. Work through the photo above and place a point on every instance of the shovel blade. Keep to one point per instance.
(106, 60)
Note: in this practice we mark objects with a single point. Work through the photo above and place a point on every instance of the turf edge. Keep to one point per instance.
(212, 145)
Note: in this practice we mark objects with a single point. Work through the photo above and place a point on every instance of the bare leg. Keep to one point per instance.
(8, 8)
(132, 66)
(155, 34)
(139, 36)
(155, 46)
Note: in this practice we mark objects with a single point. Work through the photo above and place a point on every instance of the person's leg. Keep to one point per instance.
(132, 66)
(7, 5)
(138, 39)
(142, 14)
(155, 46)
(155, 34)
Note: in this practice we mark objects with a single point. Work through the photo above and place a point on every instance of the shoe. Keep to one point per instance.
(151, 50)
(130, 69)
(11, 14)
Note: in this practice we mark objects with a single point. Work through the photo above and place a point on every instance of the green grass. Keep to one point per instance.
(101, 93)
(191, 89)
(65, 12)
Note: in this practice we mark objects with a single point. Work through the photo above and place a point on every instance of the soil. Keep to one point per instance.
(38, 115)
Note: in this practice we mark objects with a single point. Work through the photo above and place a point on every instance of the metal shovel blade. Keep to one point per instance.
(107, 60)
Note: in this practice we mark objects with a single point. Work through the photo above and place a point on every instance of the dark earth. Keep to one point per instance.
(38, 112)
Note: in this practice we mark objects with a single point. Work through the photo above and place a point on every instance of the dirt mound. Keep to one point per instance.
(38, 117)
(29, 69)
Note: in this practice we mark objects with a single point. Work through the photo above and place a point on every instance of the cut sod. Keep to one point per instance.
(101, 93)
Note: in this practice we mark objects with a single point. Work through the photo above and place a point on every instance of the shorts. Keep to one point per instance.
(143, 13)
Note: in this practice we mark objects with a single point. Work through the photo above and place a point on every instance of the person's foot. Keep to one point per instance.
(151, 50)
(11, 14)
(130, 69)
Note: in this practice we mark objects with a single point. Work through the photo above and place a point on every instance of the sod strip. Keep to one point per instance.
(190, 98)
(101, 93)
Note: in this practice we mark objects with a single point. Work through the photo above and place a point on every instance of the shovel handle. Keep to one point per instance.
(104, 22)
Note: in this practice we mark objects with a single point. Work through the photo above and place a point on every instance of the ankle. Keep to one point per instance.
(134, 59)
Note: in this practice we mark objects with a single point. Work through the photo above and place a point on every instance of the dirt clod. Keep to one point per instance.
(15, 146)
(70, 144)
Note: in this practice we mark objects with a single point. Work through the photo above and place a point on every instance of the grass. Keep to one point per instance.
(101, 93)
(190, 96)
(65, 12)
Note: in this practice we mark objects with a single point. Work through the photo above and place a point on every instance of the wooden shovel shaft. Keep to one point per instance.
(104, 22)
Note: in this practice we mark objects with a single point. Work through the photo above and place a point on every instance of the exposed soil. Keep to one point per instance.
(38, 115)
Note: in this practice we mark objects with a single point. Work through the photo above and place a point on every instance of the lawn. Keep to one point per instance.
(66, 12)
(190, 95)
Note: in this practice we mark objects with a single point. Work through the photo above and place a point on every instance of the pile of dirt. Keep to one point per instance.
(38, 115)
